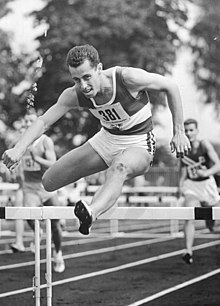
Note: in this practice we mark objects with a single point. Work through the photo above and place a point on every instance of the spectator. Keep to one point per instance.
(196, 180)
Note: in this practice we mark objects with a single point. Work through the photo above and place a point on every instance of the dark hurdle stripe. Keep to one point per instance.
(203, 213)
(2, 212)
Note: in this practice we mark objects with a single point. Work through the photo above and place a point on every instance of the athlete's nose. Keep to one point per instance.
(83, 84)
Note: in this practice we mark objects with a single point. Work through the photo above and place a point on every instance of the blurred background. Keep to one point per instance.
(179, 39)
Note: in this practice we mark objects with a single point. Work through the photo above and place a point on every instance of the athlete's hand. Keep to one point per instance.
(11, 158)
(202, 173)
(180, 143)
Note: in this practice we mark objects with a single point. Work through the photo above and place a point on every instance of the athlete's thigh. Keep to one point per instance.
(31, 199)
(137, 160)
(80, 162)
(191, 201)
(18, 198)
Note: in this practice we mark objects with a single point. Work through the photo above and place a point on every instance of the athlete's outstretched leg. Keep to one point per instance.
(59, 265)
(124, 166)
(189, 230)
(56, 234)
(18, 246)
(80, 162)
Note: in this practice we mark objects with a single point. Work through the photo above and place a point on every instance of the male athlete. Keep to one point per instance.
(38, 157)
(125, 144)
(196, 180)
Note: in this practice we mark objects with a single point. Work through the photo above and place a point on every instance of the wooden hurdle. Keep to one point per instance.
(115, 213)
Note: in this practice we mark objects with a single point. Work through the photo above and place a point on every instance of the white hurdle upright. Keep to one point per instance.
(48, 275)
(116, 213)
(36, 281)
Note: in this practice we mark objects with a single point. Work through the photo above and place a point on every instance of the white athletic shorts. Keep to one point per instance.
(205, 191)
(108, 146)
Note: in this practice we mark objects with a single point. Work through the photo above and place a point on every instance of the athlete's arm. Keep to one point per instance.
(49, 153)
(138, 80)
(213, 156)
(67, 100)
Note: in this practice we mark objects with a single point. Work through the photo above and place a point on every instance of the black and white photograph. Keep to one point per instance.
(109, 152)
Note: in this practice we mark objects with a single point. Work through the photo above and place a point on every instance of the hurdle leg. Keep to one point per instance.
(174, 224)
(48, 274)
(37, 263)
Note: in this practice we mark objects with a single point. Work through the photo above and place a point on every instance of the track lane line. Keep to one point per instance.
(93, 252)
(113, 269)
(175, 288)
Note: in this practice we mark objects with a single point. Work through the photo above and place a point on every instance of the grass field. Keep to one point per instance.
(140, 266)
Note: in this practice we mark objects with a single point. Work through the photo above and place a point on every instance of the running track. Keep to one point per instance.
(143, 266)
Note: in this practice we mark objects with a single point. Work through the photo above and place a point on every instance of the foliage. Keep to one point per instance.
(13, 71)
(205, 45)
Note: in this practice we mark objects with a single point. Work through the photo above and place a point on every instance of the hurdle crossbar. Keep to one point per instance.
(115, 213)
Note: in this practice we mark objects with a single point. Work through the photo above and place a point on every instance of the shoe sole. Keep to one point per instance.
(84, 217)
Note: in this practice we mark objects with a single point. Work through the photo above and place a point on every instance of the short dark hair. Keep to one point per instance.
(78, 54)
(191, 121)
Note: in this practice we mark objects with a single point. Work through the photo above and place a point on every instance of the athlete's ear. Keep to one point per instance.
(99, 67)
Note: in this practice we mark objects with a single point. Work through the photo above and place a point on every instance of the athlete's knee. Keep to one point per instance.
(119, 169)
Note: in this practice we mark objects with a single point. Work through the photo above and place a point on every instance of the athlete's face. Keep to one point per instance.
(29, 119)
(87, 78)
(191, 132)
